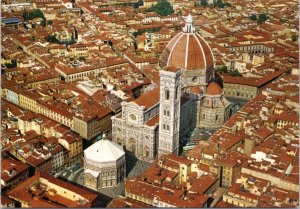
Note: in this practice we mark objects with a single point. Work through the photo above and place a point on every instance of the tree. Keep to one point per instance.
(262, 18)
(220, 4)
(235, 73)
(138, 4)
(203, 3)
(294, 37)
(163, 7)
(52, 39)
(49, 22)
(222, 69)
(12, 64)
(253, 17)
(38, 13)
(43, 23)
(33, 14)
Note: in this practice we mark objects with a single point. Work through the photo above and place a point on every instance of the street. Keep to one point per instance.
(217, 196)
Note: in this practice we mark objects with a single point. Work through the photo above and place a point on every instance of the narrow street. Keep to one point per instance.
(217, 196)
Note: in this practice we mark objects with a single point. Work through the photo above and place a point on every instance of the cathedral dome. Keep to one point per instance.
(187, 50)
(213, 89)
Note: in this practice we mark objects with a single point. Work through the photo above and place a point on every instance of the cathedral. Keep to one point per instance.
(187, 97)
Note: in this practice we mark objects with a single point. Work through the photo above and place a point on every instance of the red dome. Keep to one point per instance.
(213, 89)
(188, 51)
(196, 90)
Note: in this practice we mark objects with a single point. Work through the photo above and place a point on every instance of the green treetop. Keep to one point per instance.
(163, 7)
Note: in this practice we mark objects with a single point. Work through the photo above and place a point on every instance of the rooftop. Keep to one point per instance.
(104, 151)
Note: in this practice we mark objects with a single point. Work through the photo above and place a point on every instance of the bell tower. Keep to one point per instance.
(169, 111)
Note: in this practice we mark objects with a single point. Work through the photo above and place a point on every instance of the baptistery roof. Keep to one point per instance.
(187, 50)
(104, 151)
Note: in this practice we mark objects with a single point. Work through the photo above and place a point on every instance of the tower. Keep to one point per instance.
(169, 110)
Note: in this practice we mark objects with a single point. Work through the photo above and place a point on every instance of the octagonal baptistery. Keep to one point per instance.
(104, 165)
(190, 52)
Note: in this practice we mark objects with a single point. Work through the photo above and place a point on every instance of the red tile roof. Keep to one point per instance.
(149, 99)
(213, 89)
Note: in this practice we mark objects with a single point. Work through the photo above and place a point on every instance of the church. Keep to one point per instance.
(187, 97)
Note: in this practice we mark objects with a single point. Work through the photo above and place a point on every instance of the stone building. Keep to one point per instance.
(187, 97)
(104, 165)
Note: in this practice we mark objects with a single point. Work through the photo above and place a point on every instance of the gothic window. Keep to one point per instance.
(168, 127)
(164, 126)
(203, 116)
(167, 94)
(168, 113)
(216, 117)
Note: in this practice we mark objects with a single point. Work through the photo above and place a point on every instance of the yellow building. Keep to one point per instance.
(73, 144)
(28, 100)
(149, 3)
(241, 91)
(285, 182)
(81, 50)
(177, 164)
(49, 79)
(238, 196)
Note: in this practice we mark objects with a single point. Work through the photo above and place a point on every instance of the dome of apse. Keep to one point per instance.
(213, 89)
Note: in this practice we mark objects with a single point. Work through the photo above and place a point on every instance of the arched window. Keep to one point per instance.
(203, 116)
(216, 117)
(167, 94)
